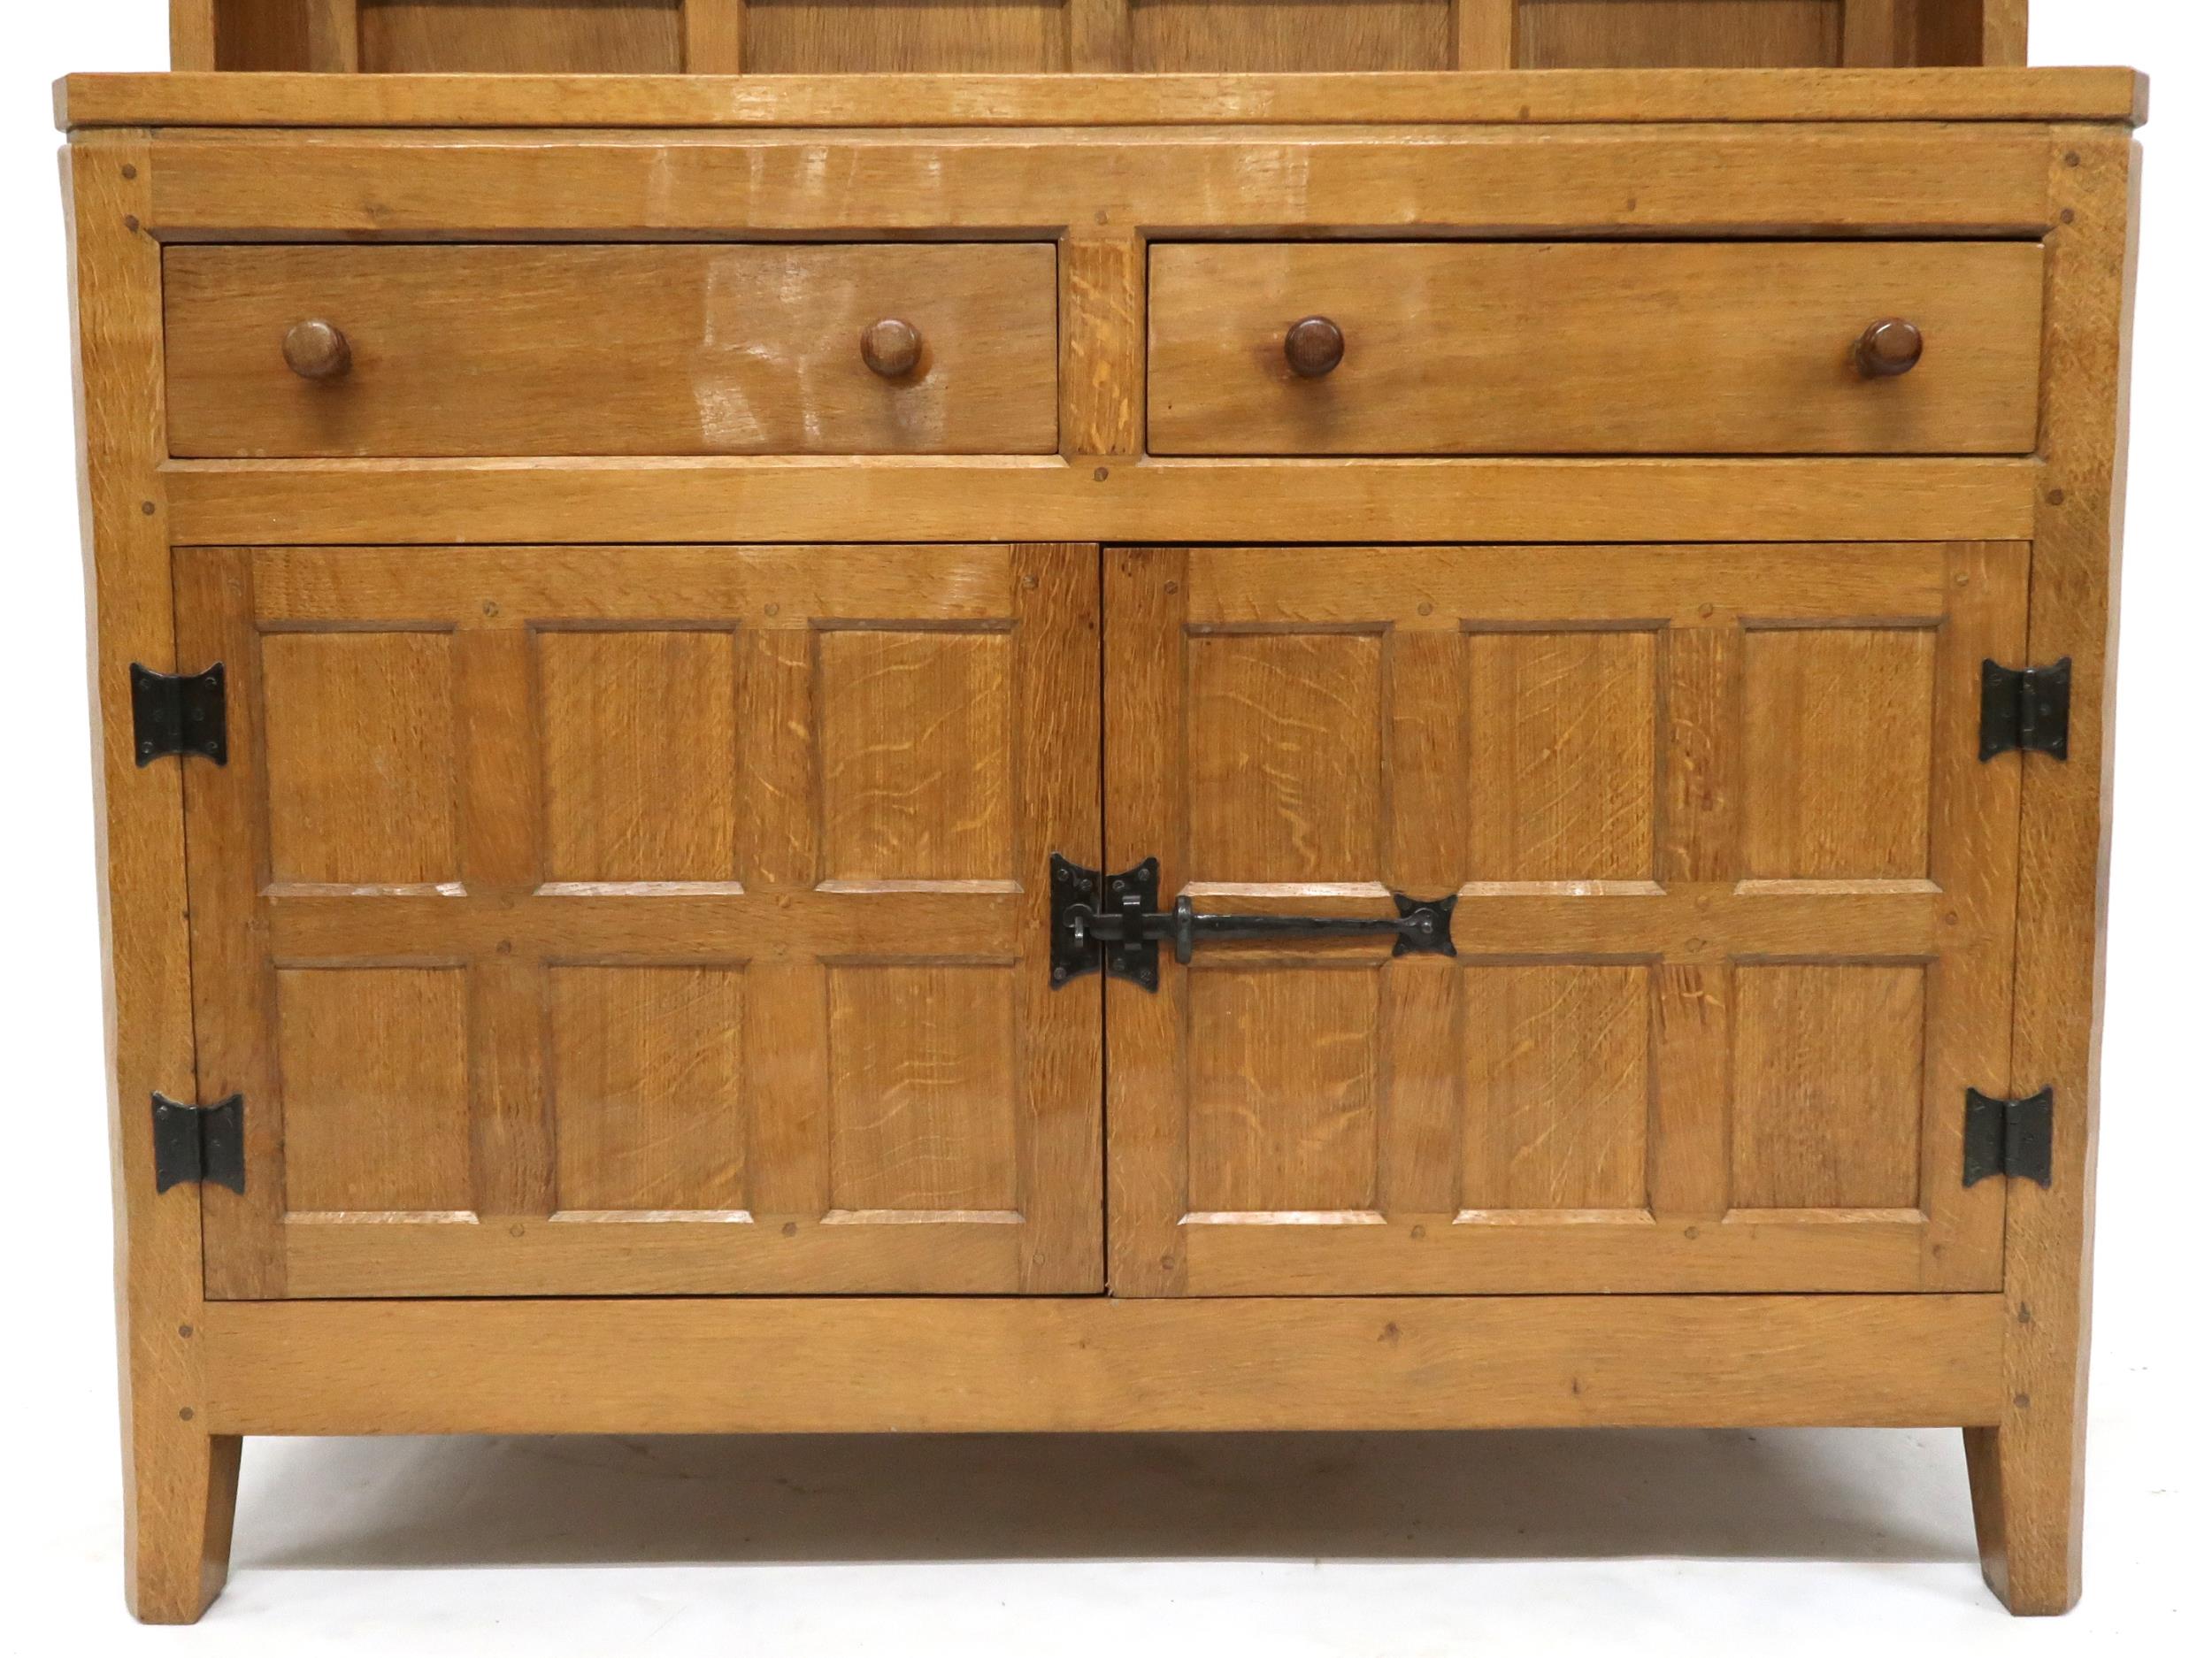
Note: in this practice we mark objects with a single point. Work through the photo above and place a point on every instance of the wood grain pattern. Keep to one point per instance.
(1562, 755)
(1829, 796)
(1724, 179)
(729, 988)
(1682, 34)
(917, 36)
(1827, 1090)
(555, 101)
(506, 502)
(1284, 1126)
(375, 1063)
(691, 351)
(648, 1095)
(359, 733)
(1262, 36)
(714, 36)
(1073, 1365)
(1560, 1061)
(1592, 348)
(2028, 1472)
(922, 1090)
(526, 36)
(180, 1477)
(1677, 1060)
(641, 756)
(916, 774)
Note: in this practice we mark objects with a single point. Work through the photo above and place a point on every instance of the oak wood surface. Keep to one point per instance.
(1801, 179)
(611, 351)
(1591, 348)
(1683, 96)
(1087, 1364)
(804, 499)
(179, 1479)
(646, 920)
(2029, 1470)
(1825, 945)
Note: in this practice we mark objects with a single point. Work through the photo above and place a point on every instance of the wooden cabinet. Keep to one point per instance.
(1395, 748)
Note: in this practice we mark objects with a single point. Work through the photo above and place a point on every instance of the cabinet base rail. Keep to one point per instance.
(919, 1364)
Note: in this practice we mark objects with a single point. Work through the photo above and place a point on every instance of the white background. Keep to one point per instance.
(1513, 1543)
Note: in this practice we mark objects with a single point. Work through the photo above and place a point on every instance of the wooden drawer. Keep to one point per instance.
(611, 351)
(1593, 347)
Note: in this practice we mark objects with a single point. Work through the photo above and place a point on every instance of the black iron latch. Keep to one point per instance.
(195, 1143)
(2009, 1137)
(178, 713)
(1115, 922)
(2028, 708)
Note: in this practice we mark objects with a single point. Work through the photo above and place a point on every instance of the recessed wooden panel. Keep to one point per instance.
(374, 1069)
(869, 36)
(1261, 36)
(648, 350)
(1681, 33)
(1838, 727)
(645, 1069)
(1592, 348)
(1562, 738)
(1828, 1096)
(522, 36)
(1285, 747)
(1557, 1087)
(1285, 1089)
(916, 775)
(642, 762)
(922, 1088)
(360, 757)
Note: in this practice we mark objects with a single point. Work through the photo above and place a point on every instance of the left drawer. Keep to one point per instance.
(631, 349)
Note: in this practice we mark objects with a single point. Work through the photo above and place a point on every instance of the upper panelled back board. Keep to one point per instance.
(1094, 37)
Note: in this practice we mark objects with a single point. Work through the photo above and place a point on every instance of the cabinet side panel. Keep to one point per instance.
(179, 1481)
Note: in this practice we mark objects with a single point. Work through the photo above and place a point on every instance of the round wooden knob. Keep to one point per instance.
(317, 350)
(1888, 348)
(891, 348)
(1313, 346)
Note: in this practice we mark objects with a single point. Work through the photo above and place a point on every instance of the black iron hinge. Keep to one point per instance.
(197, 1143)
(2009, 1137)
(178, 713)
(2028, 708)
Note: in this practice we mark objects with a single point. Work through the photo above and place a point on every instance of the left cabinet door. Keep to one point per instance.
(646, 920)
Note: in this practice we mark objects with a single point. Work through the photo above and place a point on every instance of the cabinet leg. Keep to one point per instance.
(2027, 1485)
(181, 1489)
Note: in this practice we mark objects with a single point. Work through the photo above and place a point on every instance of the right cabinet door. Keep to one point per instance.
(1733, 921)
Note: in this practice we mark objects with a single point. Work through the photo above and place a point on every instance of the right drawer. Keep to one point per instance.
(1594, 348)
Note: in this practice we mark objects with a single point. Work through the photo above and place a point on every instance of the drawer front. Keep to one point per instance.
(611, 350)
(1593, 349)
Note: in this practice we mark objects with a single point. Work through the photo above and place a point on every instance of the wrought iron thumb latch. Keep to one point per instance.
(1114, 922)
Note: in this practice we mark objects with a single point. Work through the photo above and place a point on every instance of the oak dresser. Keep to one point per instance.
(981, 714)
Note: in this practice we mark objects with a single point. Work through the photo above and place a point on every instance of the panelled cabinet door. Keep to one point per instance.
(587, 920)
(1734, 910)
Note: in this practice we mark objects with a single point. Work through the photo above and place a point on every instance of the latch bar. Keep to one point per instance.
(1115, 922)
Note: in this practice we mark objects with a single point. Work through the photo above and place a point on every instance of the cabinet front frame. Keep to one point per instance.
(136, 187)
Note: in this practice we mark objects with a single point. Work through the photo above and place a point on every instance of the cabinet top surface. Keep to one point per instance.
(1477, 97)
